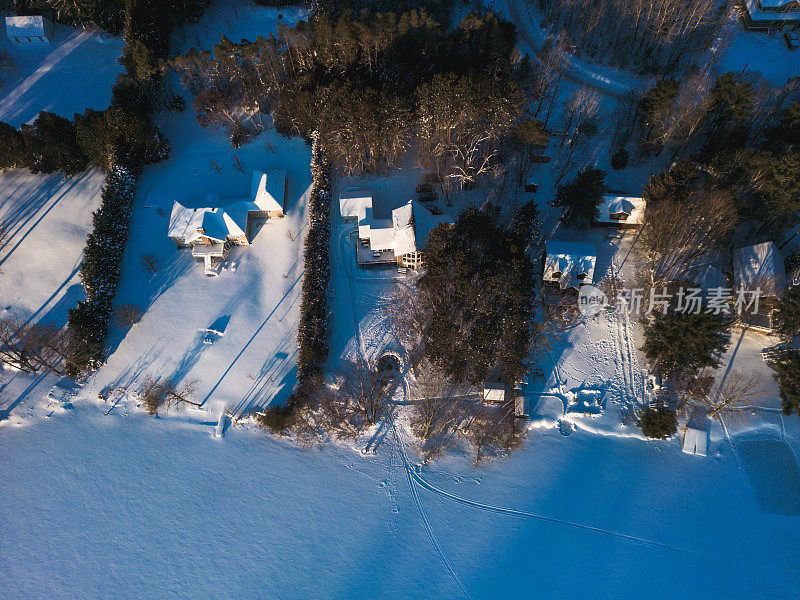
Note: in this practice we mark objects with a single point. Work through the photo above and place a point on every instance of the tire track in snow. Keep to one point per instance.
(582, 526)
(431, 536)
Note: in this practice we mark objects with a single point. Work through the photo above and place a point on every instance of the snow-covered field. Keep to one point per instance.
(54, 77)
(99, 500)
(123, 506)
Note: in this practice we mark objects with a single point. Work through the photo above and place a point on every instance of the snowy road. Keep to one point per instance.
(605, 80)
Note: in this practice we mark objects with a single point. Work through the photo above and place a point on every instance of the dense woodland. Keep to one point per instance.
(653, 36)
(377, 86)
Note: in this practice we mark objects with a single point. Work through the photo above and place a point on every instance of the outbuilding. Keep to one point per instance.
(29, 29)
(695, 441)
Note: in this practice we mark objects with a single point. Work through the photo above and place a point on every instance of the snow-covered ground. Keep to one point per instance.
(98, 500)
(125, 506)
(74, 72)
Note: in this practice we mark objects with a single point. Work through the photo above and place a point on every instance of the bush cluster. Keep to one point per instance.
(312, 333)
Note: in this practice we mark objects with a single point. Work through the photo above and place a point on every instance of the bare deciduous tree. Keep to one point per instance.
(127, 315)
(31, 347)
(364, 391)
(151, 263)
(677, 234)
(439, 412)
(739, 393)
(160, 393)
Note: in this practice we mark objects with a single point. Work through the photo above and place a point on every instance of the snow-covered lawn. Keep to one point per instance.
(74, 72)
(254, 302)
(767, 54)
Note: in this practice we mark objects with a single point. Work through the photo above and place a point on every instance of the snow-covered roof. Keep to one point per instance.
(215, 223)
(769, 11)
(268, 188)
(695, 441)
(569, 263)
(631, 206)
(381, 234)
(759, 266)
(405, 238)
(25, 26)
(353, 202)
(426, 221)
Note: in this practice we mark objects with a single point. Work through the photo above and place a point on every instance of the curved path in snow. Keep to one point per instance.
(607, 81)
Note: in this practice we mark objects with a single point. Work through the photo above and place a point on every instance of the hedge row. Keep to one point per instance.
(312, 334)
(101, 270)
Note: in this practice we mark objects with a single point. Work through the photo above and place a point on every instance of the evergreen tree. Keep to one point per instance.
(787, 317)
(786, 134)
(619, 160)
(682, 344)
(659, 422)
(787, 374)
(52, 145)
(12, 148)
(580, 197)
(479, 289)
(676, 183)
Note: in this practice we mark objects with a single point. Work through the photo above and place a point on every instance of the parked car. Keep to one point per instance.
(435, 210)
(424, 188)
(427, 198)
(792, 39)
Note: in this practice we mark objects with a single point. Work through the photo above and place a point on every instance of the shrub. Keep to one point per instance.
(659, 423)
(276, 419)
(619, 160)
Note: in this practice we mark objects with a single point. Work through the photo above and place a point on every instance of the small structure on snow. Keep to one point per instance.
(29, 29)
(494, 390)
(620, 212)
(570, 264)
(695, 438)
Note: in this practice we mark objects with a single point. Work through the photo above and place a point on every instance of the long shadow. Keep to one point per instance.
(4, 414)
(70, 292)
(250, 341)
(39, 220)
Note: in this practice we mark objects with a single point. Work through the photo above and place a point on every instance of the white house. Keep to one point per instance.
(623, 212)
(398, 240)
(570, 264)
(772, 15)
(30, 29)
(209, 231)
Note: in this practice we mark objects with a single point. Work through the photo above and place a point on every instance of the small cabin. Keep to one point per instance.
(29, 29)
(620, 212)
(569, 264)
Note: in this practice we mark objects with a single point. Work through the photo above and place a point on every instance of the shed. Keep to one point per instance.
(494, 390)
(29, 29)
(624, 212)
(531, 185)
(695, 441)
